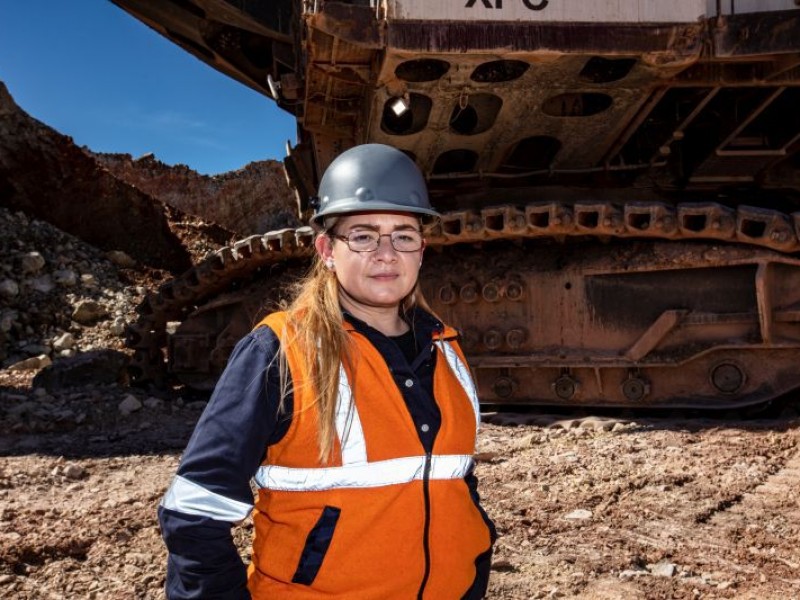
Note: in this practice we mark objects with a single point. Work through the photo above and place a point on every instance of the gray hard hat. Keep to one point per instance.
(372, 177)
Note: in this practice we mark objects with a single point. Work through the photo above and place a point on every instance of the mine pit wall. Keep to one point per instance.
(45, 175)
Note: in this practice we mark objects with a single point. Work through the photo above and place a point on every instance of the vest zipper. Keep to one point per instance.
(426, 475)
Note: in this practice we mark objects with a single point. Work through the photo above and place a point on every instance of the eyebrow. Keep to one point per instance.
(405, 227)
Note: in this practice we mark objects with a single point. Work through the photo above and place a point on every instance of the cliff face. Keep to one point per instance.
(252, 200)
(66, 213)
(163, 216)
(45, 175)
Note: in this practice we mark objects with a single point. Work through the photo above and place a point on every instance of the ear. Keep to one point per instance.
(324, 246)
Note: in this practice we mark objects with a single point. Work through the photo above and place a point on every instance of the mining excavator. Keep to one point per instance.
(619, 185)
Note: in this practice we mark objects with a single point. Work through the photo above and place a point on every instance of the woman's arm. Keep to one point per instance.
(211, 491)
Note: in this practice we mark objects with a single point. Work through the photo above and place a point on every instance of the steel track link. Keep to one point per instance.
(176, 299)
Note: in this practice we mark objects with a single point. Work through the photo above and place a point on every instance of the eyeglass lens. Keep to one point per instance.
(368, 241)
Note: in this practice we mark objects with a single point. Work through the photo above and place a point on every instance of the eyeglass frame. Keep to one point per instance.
(346, 239)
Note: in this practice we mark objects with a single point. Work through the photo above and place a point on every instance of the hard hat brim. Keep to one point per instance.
(374, 206)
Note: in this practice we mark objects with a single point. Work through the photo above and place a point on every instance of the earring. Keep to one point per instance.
(329, 263)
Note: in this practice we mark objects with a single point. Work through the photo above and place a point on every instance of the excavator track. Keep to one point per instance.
(177, 299)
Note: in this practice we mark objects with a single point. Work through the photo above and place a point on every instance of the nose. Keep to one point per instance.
(385, 249)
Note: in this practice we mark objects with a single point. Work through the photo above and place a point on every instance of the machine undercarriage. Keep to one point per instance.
(620, 186)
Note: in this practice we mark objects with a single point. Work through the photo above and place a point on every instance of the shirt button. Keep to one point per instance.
(409, 383)
(425, 428)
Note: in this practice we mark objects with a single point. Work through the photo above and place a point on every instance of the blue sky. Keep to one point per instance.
(93, 72)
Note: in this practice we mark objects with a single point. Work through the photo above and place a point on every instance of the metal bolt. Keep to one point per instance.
(504, 387)
(448, 294)
(469, 292)
(515, 338)
(514, 290)
(491, 292)
(727, 378)
(492, 339)
(635, 388)
(565, 387)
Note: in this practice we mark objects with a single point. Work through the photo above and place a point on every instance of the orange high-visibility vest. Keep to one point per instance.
(383, 520)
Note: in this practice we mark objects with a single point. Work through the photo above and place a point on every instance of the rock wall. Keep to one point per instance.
(45, 175)
(251, 200)
(74, 224)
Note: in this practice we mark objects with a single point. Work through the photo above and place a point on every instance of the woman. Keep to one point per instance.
(355, 416)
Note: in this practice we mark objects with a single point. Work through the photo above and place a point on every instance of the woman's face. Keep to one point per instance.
(378, 280)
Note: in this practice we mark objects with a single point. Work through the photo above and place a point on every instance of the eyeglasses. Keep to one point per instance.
(369, 241)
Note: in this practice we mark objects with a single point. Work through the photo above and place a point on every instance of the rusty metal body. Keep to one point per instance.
(619, 181)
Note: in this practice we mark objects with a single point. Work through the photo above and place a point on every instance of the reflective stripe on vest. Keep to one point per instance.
(355, 471)
(192, 499)
(374, 474)
(464, 378)
(348, 425)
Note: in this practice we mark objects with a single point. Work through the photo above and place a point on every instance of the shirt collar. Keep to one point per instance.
(422, 321)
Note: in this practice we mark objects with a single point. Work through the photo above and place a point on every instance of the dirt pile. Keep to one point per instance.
(58, 295)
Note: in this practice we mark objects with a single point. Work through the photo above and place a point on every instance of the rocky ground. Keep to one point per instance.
(650, 508)
(639, 506)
